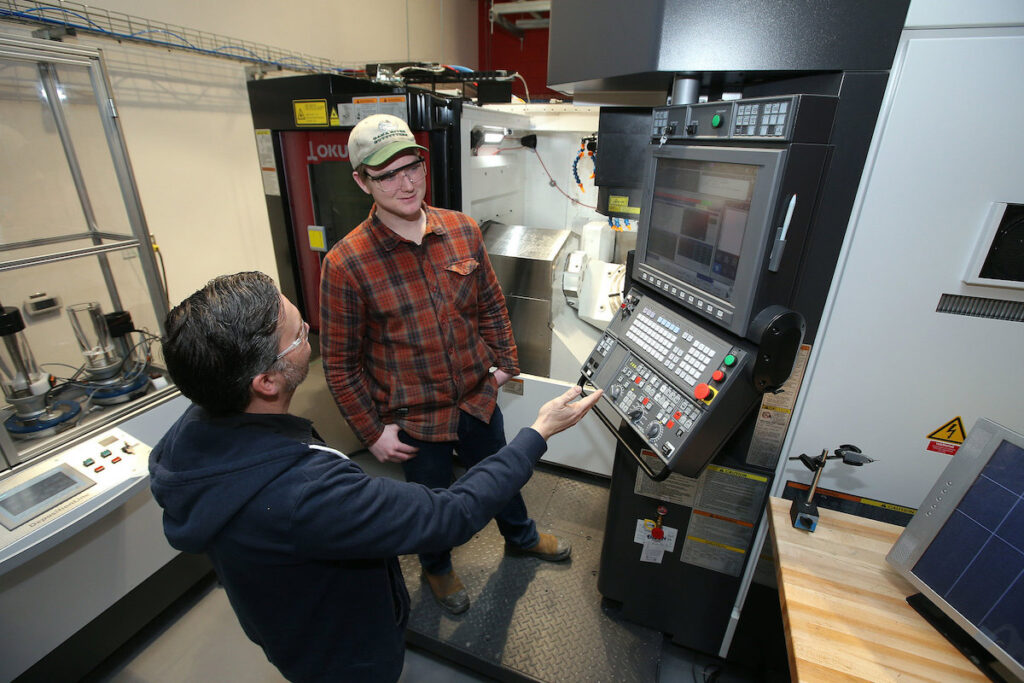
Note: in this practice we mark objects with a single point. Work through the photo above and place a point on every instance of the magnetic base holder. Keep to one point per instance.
(960, 639)
(803, 514)
(39, 427)
(119, 393)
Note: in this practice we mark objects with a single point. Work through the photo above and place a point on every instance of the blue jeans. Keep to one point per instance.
(432, 467)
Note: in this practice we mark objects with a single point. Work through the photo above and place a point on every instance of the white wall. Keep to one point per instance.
(186, 116)
(888, 369)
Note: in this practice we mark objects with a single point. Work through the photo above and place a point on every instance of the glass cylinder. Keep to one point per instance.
(90, 328)
(24, 385)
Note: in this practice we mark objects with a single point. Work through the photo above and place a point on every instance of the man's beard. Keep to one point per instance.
(293, 374)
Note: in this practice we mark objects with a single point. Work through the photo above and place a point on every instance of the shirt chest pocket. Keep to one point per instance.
(461, 279)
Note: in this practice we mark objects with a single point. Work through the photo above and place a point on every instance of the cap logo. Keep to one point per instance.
(386, 130)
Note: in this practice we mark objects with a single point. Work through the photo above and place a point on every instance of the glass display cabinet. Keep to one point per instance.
(82, 301)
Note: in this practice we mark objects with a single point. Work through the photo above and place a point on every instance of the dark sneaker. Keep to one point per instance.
(549, 548)
(448, 591)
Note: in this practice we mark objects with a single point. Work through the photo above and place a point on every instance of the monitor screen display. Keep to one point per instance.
(964, 549)
(698, 221)
(976, 561)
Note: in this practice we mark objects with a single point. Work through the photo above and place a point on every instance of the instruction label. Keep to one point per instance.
(268, 167)
(775, 415)
(717, 543)
(731, 493)
(676, 489)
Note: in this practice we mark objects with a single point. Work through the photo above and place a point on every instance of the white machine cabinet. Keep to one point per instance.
(915, 346)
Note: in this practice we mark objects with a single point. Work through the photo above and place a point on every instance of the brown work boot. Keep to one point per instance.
(549, 548)
(448, 591)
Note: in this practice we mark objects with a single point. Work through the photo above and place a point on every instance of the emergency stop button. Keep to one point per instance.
(702, 391)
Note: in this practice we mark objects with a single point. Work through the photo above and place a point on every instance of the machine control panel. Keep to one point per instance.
(666, 374)
(49, 500)
(769, 119)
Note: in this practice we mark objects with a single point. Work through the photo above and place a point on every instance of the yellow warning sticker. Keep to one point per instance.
(310, 112)
(335, 121)
(620, 204)
(951, 432)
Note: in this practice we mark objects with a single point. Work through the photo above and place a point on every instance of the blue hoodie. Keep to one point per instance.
(305, 543)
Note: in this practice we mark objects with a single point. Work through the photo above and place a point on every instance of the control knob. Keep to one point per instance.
(635, 414)
(653, 430)
(615, 391)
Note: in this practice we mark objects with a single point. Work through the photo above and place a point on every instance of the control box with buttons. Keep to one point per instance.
(47, 501)
(788, 118)
(680, 387)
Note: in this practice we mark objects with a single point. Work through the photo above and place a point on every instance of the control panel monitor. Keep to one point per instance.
(706, 233)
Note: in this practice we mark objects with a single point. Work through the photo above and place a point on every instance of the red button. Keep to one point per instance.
(670, 424)
(657, 533)
(638, 379)
(677, 415)
(701, 391)
(645, 401)
(718, 375)
(99, 469)
(117, 459)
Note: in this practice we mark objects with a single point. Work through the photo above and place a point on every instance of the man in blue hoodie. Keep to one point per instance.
(303, 541)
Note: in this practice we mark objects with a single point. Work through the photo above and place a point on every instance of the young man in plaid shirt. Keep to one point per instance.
(412, 320)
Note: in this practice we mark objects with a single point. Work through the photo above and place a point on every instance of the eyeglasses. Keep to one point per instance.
(392, 180)
(303, 335)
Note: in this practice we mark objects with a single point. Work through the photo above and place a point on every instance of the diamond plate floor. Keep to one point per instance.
(532, 620)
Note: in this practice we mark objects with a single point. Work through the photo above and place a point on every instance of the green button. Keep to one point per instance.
(729, 361)
(716, 121)
(105, 453)
(88, 462)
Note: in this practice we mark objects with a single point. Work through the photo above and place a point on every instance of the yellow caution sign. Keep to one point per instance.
(620, 204)
(951, 432)
(310, 112)
(335, 121)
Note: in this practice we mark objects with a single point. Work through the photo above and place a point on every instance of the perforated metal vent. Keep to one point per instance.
(977, 307)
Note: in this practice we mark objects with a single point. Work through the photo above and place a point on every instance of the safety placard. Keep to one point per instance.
(948, 438)
(620, 204)
(716, 543)
(385, 104)
(310, 112)
(775, 414)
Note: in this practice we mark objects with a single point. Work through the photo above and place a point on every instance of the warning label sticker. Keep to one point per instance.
(947, 438)
(310, 112)
(951, 432)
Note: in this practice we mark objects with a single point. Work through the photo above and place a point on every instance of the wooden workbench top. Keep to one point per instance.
(844, 608)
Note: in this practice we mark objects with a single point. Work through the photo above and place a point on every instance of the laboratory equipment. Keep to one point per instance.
(26, 387)
(115, 368)
(83, 560)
